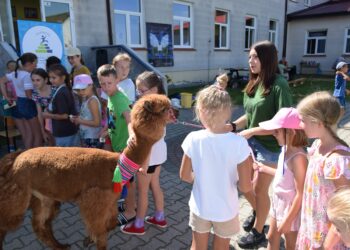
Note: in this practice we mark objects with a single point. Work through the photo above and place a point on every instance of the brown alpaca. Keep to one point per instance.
(42, 178)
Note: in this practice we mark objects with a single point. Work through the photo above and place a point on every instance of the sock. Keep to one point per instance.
(139, 222)
(159, 215)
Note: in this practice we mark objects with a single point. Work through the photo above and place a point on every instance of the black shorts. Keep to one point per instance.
(152, 168)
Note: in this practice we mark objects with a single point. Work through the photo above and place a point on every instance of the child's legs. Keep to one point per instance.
(250, 196)
(37, 139)
(200, 232)
(221, 243)
(157, 192)
(224, 231)
(130, 201)
(24, 130)
(143, 181)
(291, 239)
(199, 241)
(273, 236)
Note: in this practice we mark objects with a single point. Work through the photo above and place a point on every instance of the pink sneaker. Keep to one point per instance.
(152, 220)
(131, 229)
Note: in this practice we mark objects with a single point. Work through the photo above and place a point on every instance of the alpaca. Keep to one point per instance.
(42, 178)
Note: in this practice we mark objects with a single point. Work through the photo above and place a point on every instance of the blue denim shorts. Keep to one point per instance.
(341, 100)
(68, 141)
(25, 109)
(262, 154)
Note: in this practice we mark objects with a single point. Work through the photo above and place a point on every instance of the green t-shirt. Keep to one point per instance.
(260, 108)
(117, 127)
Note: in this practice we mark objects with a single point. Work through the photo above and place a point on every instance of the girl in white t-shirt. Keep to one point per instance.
(213, 161)
(148, 175)
(24, 112)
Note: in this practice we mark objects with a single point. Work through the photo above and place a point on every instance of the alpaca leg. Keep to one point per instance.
(44, 211)
(96, 208)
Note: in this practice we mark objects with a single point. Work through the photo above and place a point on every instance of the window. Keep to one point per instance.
(347, 41)
(221, 29)
(307, 3)
(273, 32)
(128, 22)
(316, 42)
(182, 25)
(250, 30)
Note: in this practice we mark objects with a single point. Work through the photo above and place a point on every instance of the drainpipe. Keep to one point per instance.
(285, 29)
(109, 22)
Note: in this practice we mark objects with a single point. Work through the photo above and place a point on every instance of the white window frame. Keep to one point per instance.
(182, 20)
(227, 25)
(250, 28)
(346, 37)
(317, 40)
(128, 32)
(273, 32)
(307, 3)
(71, 15)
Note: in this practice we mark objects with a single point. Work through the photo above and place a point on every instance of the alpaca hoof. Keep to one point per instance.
(87, 241)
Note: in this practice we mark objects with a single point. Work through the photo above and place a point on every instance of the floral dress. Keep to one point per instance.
(318, 189)
(43, 102)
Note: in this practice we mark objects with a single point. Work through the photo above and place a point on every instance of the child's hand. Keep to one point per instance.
(74, 119)
(143, 170)
(46, 115)
(103, 133)
(347, 92)
(285, 227)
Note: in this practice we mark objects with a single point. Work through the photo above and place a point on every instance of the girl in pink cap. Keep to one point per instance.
(289, 177)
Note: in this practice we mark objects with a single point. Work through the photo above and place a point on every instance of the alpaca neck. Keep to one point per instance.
(138, 150)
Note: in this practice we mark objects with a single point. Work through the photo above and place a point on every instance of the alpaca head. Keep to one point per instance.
(149, 116)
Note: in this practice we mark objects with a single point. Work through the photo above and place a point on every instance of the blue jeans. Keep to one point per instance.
(262, 154)
(68, 141)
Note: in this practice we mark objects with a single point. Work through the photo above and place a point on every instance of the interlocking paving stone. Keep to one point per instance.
(69, 228)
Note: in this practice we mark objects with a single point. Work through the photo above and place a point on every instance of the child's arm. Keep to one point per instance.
(332, 237)
(298, 166)
(55, 116)
(244, 173)
(3, 81)
(264, 168)
(186, 173)
(41, 122)
(96, 116)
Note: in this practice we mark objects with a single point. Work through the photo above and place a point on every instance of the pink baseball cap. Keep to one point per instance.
(82, 81)
(284, 118)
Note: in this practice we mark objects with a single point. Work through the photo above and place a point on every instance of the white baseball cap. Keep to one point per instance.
(73, 51)
(340, 65)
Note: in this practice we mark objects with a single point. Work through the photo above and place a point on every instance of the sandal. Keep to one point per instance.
(121, 206)
(122, 220)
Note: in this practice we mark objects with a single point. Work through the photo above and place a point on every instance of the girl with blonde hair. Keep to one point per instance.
(214, 171)
(338, 212)
(328, 170)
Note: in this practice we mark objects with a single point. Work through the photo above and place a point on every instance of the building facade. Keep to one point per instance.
(207, 34)
(317, 35)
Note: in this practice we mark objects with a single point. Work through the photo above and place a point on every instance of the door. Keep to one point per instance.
(60, 11)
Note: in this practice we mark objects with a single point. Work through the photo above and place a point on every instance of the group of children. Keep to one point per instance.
(306, 206)
(54, 108)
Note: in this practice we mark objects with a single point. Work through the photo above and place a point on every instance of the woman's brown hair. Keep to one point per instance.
(267, 54)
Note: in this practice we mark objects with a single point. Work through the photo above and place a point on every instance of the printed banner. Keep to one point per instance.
(41, 38)
(159, 44)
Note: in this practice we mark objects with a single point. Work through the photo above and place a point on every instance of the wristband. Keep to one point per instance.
(234, 127)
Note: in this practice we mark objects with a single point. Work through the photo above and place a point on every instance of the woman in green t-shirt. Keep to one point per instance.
(266, 92)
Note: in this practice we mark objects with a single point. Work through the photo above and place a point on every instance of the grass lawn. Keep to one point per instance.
(310, 85)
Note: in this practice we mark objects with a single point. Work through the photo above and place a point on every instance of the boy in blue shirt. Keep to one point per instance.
(340, 90)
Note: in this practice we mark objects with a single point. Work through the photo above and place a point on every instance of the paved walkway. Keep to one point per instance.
(69, 228)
